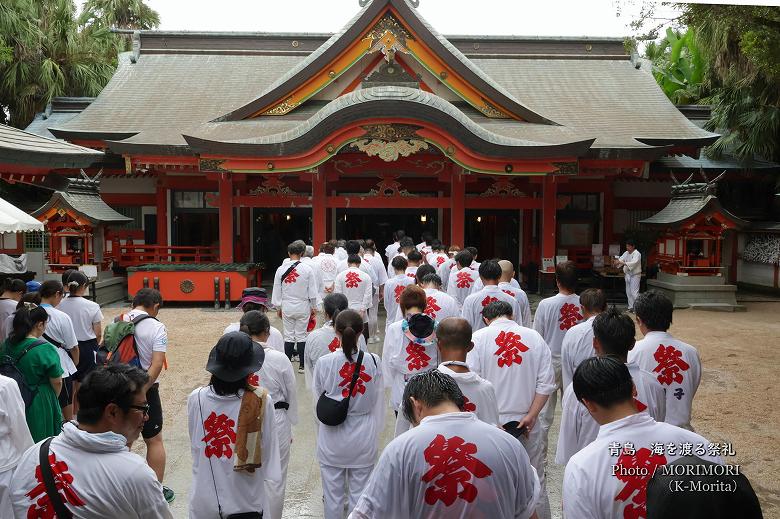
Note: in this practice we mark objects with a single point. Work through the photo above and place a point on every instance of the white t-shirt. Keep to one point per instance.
(298, 294)
(104, 479)
(578, 428)
(591, 491)
(477, 301)
(439, 305)
(14, 435)
(461, 283)
(59, 328)
(451, 466)
(150, 336)
(577, 346)
(7, 308)
(83, 313)
(554, 316)
(212, 427)
(275, 339)
(517, 361)
(677, 367)
(353, 443)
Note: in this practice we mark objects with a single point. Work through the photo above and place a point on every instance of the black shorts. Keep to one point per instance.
(87, 350)
(66, 394)
(154, 424)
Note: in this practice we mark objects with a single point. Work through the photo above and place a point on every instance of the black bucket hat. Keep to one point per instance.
(234, 357)
(421, 326)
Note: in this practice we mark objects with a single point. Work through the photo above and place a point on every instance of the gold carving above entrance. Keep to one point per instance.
(390, 141)
(389, 187)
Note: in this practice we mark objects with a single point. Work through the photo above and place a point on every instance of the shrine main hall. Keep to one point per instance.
(525, 147)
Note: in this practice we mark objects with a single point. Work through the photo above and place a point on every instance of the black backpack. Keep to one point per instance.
(9, 367)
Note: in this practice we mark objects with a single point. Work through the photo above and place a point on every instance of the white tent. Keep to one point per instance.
(13, 219)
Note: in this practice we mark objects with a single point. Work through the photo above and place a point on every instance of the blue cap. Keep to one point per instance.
(33, 286)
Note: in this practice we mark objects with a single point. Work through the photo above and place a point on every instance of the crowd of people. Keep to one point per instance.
(472, 381)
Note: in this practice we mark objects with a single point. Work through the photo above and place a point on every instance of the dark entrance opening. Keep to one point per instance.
(274, 229)
(194, 223)
(379, 224)
(495, 234)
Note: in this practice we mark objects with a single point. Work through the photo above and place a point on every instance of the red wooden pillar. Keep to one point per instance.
(549, 209)
(319, 213)
(225, 218)
(162, 213)
(458, 208)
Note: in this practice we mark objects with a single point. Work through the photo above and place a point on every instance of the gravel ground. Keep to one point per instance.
(738, 350)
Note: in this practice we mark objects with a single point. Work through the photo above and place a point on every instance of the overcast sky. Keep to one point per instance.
(517, 17)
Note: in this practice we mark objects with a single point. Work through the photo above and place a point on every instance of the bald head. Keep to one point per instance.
(507, 271)
(454, 333)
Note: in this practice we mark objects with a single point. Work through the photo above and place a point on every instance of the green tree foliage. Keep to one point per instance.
(678, 66)
(46, 50)
(742, 47)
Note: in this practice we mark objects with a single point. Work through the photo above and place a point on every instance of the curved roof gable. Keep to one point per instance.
(390, 27)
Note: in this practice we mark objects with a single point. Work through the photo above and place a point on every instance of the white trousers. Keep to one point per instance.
(632, 288)
(372, 315)
(546, 418)
(274, 490)
(534, 446)
(6, 505)
(295, 327)
(336, 481)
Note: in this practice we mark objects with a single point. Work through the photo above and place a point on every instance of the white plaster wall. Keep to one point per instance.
(756, 273)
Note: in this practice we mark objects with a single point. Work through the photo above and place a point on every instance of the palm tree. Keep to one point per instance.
(119, 14)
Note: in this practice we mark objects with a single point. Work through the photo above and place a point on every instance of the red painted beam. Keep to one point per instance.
(378, 202)
(549, 224)
(226, 218)
(162, 213)
(458, 208)
(319, 212)
(503, 203)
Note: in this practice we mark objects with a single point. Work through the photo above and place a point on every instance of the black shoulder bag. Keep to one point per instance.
(287, 272)
(48, 480)
(334, 412)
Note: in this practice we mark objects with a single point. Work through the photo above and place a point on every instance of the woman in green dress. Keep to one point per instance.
(41, 369)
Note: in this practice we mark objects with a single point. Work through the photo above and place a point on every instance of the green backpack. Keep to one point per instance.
(119, 342)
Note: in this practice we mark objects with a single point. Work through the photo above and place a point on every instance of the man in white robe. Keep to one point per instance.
(608, 478)
(490, 275)
(439, 305)
(613, 336)
(415, 260)
(437, 256)
(450, 465)
(554, 316)
(577, 343)
(462, 277)
(97, 473)
(517, 361)
(631, 262)
(393, 249)
(325, 265)
(674, 363)
(357, 286)
(375, 260)
(509, 285)
(15, 439)
(255, 298)
(393, 288)
(295, 298)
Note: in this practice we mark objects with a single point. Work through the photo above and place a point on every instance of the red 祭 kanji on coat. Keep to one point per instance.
(346, 372)
(509, 349)
(63, 480)
(220, 435)
(670, 365)
(453, 466)
(570, 315)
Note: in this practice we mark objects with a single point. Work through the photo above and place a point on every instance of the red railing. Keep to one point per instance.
(132, 255)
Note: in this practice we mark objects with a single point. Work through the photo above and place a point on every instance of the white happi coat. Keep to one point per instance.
(352, 444)
(380, 272)
(436, 259)
(319, 343)
(325, 266)
(390, 270)
(522, 299)
(356, 285)
(677, 367)
(451, 466)
(411, 271)
(297, 295)
(402, 359)
(275, 339)
(277, 376)
(439, 305)
(554, 316)
(14, 438)
(444, 272)
(107, 479)
(424, 248)
(591, 491)
(393, 288)
(479, 393)
(516, 361)
(477, 301)
(579, 429)
(461, 283)
(212, 438)
(340, 253)
(365, 266)
(577, 346)
(391, 251)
